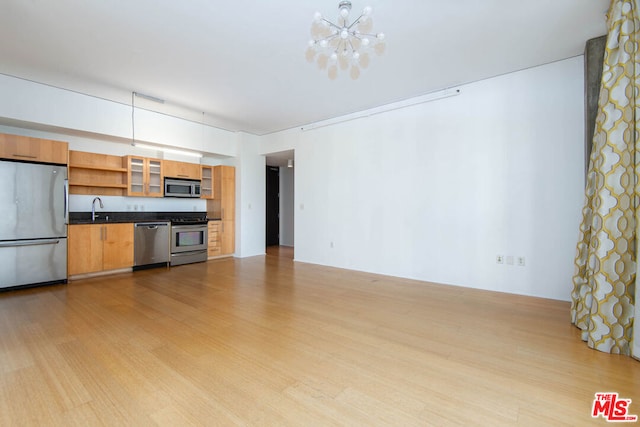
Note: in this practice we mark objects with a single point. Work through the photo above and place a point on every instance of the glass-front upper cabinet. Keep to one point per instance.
(136, 176)
(144, 177)
(206, 183)
(154, 187)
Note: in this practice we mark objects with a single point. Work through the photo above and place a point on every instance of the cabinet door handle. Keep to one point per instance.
(24, 155)
(101, 233)
(222, 217)
(105, 233)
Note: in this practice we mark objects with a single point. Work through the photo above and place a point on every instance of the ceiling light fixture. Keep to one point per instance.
(345, 44)
(149, 97)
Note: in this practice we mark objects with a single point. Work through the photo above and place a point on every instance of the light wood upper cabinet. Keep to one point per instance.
(228, 193)
(25, 148)
(145, 177)
(99, 247)
(223, 204)
(174, 169)
(100, 174)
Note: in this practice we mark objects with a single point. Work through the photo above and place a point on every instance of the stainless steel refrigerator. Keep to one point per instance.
(33, 224)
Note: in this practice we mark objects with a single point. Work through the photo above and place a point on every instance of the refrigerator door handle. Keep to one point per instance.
(29, 243)
(66, 201)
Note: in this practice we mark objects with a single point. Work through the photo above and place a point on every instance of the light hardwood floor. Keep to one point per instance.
(266, 341)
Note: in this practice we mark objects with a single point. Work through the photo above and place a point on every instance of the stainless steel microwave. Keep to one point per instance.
(174, 187)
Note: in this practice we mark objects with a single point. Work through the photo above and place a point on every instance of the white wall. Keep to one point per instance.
(436, 191)
(102, 126)
(250, 197)
(82, 203)
(287, 206)
(38, 104)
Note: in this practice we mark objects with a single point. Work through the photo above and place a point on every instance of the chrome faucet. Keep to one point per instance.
(93, 207)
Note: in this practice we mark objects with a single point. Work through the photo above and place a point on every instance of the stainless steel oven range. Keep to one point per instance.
(188, 240)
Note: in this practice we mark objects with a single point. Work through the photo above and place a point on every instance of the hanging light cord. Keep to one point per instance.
(133, 122)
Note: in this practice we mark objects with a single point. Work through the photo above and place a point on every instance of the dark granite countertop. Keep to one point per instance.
(107, 220)
(126, 217)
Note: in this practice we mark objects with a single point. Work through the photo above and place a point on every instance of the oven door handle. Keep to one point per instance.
(194, 227)
(188, 253)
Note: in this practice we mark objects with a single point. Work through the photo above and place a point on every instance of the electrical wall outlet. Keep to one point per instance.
(499, 259)
(521, 261)
(509, 259)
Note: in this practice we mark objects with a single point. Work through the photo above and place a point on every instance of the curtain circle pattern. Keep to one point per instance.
(605, 266)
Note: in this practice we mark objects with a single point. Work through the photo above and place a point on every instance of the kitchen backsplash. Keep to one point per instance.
(81, 203)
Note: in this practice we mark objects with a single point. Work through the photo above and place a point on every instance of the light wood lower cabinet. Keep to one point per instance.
(213, 233)
(227, 237)
(223, 206)
(118, 246)
(221, 238)
(99, 247)
(85, 249)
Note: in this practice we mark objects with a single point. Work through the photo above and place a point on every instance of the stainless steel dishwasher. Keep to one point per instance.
(151, 244)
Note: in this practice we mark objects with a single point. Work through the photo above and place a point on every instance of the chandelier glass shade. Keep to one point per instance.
(346, 44)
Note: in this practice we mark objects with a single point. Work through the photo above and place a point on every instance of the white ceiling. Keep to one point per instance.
(242, 63)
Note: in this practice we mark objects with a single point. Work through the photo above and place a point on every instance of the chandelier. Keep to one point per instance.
(346, 44)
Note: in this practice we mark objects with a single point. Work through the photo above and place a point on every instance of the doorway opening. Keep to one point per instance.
(272, 237)
(279, 206)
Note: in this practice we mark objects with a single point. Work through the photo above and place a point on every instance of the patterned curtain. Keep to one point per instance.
(604, 282)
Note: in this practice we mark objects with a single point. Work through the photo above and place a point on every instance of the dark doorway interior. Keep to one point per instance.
(273, 206)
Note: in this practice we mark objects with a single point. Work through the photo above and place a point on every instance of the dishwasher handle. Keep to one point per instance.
(151, 225)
